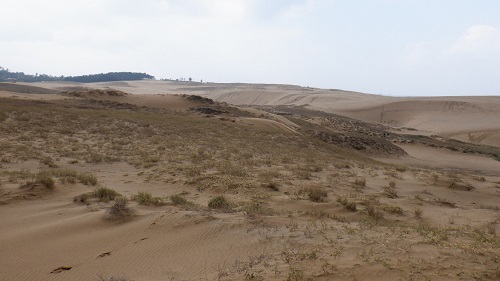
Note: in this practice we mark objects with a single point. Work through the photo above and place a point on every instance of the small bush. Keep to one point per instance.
(273, 186)
(178, 199)
(360, 182)
(49, 162)
(95, 157)
(105, 194)
(87, 179)
(220, 203)
(401, 168)
(46, 180)
(351, 206)
(83, 198)
(391, 191)
(256, 210)
(418, 213)
(145, 198)
(393, 209)
(374, 213)
(317, 194)
(68, 179)
(479, 178)
(120, 208)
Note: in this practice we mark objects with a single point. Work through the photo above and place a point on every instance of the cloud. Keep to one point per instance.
(481, 40)
(302, 9)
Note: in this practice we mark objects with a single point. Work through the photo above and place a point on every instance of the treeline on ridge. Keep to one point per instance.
(8, 76)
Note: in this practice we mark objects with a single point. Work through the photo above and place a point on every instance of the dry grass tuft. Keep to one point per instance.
(392, 209)
(418, 213)
(359, 182)
(316, 194)
(348, 205)
(373, 212)
(390, 191)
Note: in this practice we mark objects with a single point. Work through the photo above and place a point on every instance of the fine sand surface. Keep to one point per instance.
(298, 202)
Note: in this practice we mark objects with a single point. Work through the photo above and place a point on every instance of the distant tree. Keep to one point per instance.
(190, 79)
(111, 76)
(6, 75)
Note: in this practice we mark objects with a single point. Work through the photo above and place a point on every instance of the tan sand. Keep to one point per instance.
(430, 215)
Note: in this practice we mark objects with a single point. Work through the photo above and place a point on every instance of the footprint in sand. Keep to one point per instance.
(61, 269)
(142, 239)
(104, 255)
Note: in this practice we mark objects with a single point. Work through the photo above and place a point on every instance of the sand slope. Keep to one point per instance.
(472, 119)
(300, 208)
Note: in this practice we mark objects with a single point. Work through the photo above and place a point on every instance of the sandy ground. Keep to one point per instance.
(431, 215)
(474, 119)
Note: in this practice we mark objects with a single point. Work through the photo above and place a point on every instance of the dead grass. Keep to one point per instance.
(372, 211)
(359, 183)
(390, 190)
(418, 213)
(392, 209)
(348, 205)
(315, 193)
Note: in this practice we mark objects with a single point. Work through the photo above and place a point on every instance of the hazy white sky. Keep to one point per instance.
(391, 47)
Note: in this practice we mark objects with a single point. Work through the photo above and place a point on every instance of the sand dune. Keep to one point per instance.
(474, 119)
(307, 195)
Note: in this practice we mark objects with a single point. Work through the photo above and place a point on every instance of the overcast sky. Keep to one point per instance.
(390, 47)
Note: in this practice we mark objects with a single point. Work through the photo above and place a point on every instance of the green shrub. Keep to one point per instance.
(219, 202)
(145, 198)
(105, 194)
(46, 180)
(255, 210)
(178, 199)
(87, 179)
(120, 208)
